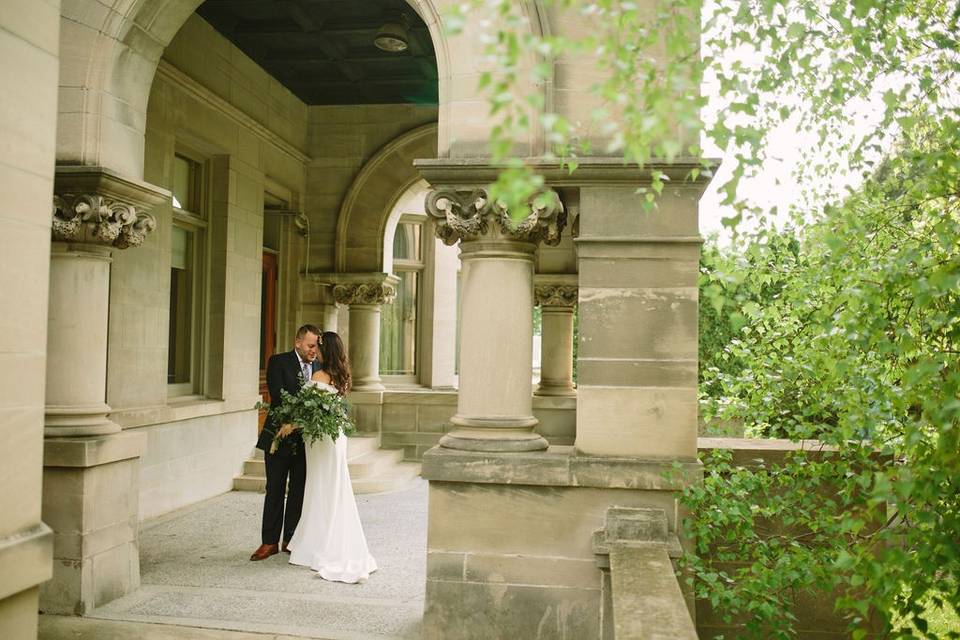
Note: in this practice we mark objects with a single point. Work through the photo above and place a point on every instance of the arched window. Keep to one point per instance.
(398, 321)
(418, 331)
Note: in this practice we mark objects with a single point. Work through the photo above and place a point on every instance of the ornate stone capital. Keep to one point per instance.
(96, 206)
(468, 214)
(95, 219)
(555, 295)
(365, 293)
(555, 289)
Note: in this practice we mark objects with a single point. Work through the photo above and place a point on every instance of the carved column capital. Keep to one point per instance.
(555, 289)
(469, 214)
(365, 293)
(555, 295)
(361, 288)
(93, 205)
(95, 219)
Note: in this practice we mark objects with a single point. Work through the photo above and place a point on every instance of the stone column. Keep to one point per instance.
(557, 297)
(91, 469)
(364, 298)
(494, 404)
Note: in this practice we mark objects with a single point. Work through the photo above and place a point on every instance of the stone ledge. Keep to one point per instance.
(751, 452)
(92, 451)
(597, 170)
(26, 558)
(180, 411)
(556, 467)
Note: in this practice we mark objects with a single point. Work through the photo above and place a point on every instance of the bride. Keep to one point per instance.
(329, 537)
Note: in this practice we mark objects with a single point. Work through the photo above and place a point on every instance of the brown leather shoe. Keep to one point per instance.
(284, 548)
(264, 551)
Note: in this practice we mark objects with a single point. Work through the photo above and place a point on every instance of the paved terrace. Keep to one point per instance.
(196, 573)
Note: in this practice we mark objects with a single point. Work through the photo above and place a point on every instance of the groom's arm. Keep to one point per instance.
(275, 378)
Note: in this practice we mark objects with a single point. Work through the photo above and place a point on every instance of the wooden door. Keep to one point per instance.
(268, 320)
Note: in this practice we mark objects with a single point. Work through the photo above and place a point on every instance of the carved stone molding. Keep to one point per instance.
(92, 218)
(93, 205)
(555, 295)
(365, 293)
(468, 214)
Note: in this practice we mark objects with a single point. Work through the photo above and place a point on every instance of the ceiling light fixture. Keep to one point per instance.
(392, 36)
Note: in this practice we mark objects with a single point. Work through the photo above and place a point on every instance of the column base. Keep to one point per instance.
(492, 434)
(555, 390)
(368, 385)
(71, 421)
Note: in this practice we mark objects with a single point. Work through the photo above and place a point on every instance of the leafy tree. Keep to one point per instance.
(859, 347)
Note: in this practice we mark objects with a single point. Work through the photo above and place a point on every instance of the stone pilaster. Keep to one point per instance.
(364, 293)
(556, 295)
(91, 470)
(637, 362)
(494, 405)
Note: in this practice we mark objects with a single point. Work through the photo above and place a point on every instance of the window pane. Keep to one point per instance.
(398, 328)
(181, 182)
(406, 242)
(415, 230)
(186, 182)
(180, 345)
(179, 240)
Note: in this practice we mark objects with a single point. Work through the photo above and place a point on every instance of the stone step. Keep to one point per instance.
(372, 469)
(395, 478)
(356, 445)
(257, 484)
(398, 477)
(373, 462)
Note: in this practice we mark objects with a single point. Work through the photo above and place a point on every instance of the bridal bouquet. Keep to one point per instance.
(317, 412)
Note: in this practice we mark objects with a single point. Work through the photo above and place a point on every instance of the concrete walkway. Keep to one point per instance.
(196, 573)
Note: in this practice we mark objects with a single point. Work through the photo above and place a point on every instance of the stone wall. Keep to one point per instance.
(510, 538)
(29, 31)
(191, 460)
(213, 103)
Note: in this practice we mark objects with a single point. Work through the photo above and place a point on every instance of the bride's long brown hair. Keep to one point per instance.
(334, 361)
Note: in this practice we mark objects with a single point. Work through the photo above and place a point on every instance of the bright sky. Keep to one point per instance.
(774, 185)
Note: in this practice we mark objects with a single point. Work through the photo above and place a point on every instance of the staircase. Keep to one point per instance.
(372, 469)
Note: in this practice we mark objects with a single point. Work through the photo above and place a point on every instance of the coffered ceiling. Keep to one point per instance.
(323, 50)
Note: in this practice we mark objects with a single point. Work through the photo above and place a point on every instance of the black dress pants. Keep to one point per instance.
(275, 517)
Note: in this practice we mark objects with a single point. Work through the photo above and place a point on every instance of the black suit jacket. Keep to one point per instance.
(283, 372)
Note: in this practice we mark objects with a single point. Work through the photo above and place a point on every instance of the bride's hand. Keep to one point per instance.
(285, 430)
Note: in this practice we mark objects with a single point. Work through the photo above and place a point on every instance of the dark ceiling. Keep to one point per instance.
(323, 51)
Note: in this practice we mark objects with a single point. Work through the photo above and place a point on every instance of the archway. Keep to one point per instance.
(363, 217)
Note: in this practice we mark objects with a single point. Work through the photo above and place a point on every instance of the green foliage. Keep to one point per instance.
(316, 412)
(734, 285)
(851, 335)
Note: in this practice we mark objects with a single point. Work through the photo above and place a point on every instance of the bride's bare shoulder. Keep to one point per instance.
(321, 376)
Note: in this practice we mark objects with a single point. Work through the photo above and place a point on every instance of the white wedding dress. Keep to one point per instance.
(329, 537)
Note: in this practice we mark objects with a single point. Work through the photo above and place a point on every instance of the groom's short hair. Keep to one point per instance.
(308, 328)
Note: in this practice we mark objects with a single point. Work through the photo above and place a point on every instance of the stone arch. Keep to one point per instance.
(364, 212)
(107, 66)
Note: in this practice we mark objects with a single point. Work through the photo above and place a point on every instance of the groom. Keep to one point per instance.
(285, 371)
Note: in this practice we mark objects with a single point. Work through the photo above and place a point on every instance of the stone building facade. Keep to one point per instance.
(175, 210)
